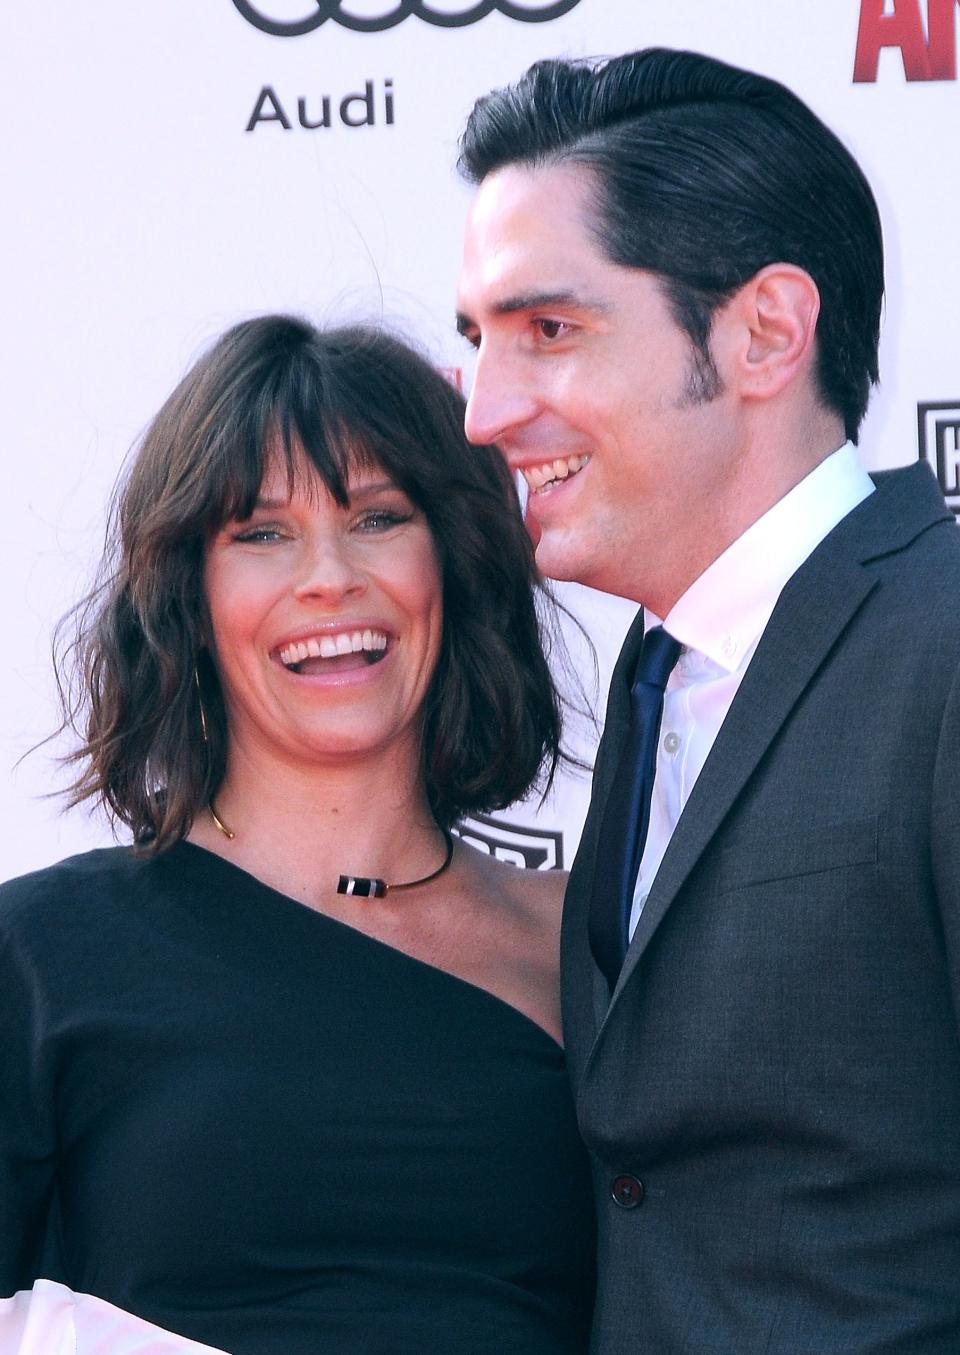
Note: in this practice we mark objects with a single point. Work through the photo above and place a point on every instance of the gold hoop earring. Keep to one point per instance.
(203, 718)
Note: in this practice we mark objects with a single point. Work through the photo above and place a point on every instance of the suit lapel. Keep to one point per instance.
(814, 609)
(817, 605)
(584, 988)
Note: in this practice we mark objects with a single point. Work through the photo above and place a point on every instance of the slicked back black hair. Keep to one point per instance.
(705, 174)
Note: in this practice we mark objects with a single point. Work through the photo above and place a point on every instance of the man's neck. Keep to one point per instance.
(777, 456)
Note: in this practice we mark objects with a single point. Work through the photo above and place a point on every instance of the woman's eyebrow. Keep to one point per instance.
(373, 487)
(272, 504)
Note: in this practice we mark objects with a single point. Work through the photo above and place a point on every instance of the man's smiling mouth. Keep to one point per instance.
(550, 473)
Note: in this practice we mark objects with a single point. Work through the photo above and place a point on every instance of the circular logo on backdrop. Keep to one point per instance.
(388, 13)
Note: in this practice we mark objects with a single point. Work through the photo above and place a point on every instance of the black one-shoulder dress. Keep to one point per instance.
(256, 1127)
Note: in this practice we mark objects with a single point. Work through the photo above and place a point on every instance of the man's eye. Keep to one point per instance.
(551, 329)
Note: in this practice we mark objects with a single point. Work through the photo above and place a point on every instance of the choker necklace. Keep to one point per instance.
(369, 887)
(361, 886)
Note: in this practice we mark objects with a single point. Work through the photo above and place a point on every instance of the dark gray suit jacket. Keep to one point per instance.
(780, 1065)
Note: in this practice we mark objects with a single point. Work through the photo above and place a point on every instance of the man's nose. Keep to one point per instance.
(500, 400)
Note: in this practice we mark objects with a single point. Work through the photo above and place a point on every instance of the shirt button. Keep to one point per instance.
(671, 742)
(626, 1191)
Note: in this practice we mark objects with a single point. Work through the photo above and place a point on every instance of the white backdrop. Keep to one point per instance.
(141, 218)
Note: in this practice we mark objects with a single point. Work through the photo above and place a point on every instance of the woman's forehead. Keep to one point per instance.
(294, 475)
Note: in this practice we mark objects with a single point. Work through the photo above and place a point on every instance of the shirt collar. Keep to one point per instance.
(723, 613)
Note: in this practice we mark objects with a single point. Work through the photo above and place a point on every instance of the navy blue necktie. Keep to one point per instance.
(623, 829)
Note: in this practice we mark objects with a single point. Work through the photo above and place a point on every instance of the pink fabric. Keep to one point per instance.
(51, 1319)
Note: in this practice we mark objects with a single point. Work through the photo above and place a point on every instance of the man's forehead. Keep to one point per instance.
(528, 235)
(524, 197)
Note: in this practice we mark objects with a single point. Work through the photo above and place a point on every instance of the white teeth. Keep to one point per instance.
(330, 646)
(551, 472)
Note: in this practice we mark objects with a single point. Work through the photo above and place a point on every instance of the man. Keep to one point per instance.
(673, 277)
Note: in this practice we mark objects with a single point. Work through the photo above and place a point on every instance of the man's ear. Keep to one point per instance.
(776, 317)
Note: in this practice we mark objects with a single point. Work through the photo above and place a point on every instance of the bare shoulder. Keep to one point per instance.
(512, 933)
(537, 893)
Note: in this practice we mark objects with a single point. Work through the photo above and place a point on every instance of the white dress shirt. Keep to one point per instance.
(719, 621)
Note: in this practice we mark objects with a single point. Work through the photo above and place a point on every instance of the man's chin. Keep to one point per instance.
(552, 560)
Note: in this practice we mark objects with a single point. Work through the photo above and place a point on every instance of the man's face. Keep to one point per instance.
(588, 386)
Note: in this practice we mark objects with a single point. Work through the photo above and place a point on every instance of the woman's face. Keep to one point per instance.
(325, 621)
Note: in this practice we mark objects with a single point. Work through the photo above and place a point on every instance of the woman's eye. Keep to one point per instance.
(381, 520)
(257, 534)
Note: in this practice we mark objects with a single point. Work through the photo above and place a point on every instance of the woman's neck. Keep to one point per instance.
(299, 828)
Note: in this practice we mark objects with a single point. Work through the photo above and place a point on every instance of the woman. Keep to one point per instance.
(249, 1097)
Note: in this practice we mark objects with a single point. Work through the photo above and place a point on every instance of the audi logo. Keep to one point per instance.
(393, 12)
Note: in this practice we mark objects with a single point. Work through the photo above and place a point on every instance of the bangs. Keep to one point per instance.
(292, 419)
(275, 397)
(309, 458)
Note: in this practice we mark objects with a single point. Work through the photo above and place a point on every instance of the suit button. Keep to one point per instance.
(626, 1191)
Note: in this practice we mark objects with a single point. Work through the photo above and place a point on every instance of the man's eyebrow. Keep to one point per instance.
(527, 301)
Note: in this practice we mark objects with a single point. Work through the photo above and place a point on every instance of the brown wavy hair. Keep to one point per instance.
(137, 681)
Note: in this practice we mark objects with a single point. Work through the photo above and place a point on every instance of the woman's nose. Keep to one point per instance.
(329, 569)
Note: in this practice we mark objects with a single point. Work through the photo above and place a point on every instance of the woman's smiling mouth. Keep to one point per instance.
(334, 653)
